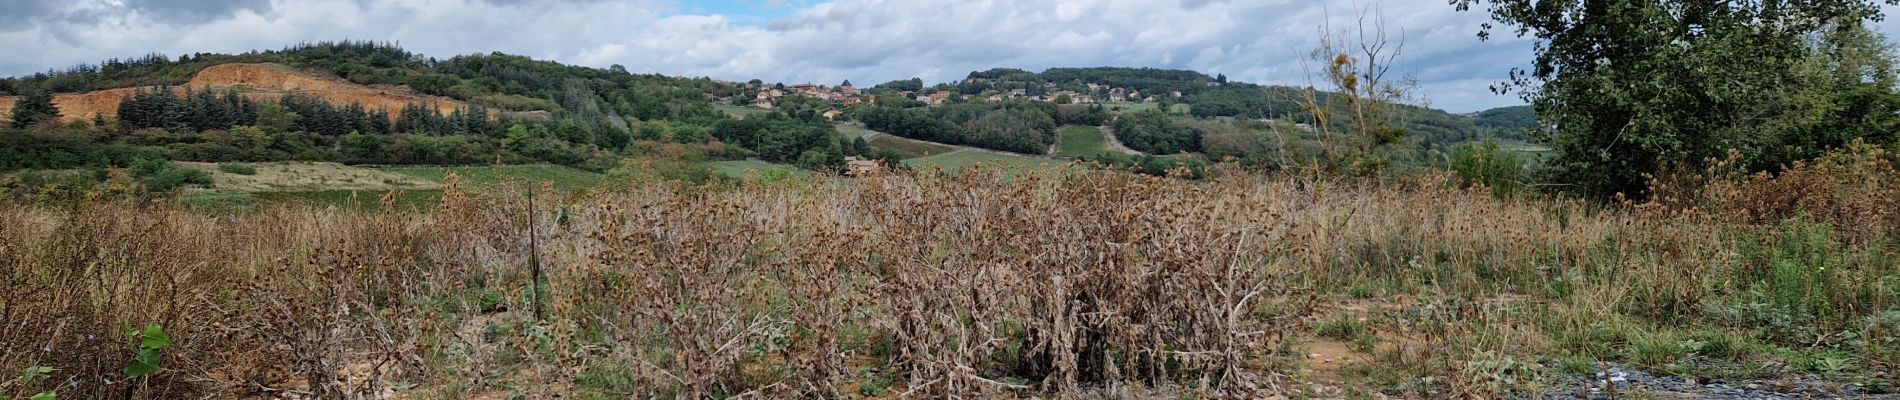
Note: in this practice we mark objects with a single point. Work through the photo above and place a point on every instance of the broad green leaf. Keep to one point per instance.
(138, 369)
(35, 372)
(154, 338)
(146, 364)
(47, 395)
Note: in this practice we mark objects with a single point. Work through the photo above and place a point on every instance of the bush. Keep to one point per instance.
(169, 179)
(239, 169)
(1487, 165)
(162, 176)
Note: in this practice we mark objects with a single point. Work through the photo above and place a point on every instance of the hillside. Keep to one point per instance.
(262, 82)
(1216, 96)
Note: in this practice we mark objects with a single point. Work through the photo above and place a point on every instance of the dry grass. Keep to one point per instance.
(307, 175)
(978, 284)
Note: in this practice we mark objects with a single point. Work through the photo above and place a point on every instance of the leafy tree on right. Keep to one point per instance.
(1626, 88)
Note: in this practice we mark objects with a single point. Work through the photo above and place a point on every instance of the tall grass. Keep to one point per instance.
(976, 284)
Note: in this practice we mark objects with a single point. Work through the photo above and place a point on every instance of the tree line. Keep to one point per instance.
(1021, 127)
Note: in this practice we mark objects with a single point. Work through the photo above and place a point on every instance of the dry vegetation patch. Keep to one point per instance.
(977, 284)
(308, 175)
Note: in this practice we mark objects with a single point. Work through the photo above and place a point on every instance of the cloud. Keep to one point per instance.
(866, 41)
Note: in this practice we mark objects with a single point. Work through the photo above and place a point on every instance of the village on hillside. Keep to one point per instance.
(765, 96)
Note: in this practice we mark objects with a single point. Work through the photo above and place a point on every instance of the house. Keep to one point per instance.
(1117, 94)
(939, 97)
(846, 88)
(996, 98)
(854, 166)
(833, 114)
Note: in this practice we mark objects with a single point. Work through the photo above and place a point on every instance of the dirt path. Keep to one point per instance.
(1115, 143)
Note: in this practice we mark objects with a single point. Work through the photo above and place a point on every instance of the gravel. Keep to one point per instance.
(1629, 381)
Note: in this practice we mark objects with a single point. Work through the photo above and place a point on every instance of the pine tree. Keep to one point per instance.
(35, 109)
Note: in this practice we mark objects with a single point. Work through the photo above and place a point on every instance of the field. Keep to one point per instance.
(354, 187)
(968, 285)
(739, 111)
(1081, 141)
(962, 159)
(851, 131)
(1133, 107)
(909, 148)
(560, 177)
(1527, 151)
(742, 169)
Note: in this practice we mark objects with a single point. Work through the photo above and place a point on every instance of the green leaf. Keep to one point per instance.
(154, 338)
(47, 395)
(35, 372)
(146, 364)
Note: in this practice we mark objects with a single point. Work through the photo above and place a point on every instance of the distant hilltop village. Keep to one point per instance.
(766, 96)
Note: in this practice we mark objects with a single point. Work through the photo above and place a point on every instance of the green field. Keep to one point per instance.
(909, 148)
(851, 131)
(423, 198)
(1133, 107)
(1082, 141)
(562, 177)
(740, 169)
(958, 160)
(740, 111)
(367, 200)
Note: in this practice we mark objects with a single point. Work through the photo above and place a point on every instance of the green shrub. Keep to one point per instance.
(1800, 274)
(174, 178)
(239, 169)
(1486, 164)
(1342, 327)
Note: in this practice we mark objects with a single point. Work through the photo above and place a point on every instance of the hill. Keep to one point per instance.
(1216, 96)
(262, 82)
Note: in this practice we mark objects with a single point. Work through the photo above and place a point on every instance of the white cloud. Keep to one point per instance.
(867, 41)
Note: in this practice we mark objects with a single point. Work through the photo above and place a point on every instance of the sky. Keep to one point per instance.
(793, 41)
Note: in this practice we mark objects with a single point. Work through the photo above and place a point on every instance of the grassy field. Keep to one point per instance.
(1133, 107)
(365, 200)
(561, 177)
(851, 131)
(1531, 152)
(744, 168)
(307, 176)
(353, 187)
(1082, 141)
(739, 111)
(961, 159)
(909, 148)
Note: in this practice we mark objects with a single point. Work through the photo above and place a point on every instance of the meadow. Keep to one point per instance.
(1081, 141)
(963, 159)
(975, 284)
